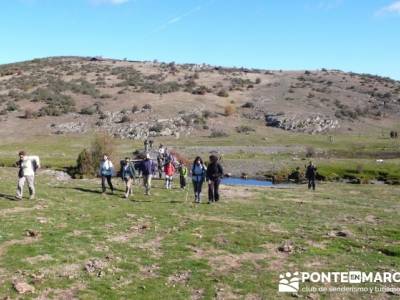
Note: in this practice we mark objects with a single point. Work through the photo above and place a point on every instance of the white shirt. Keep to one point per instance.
(27, 165)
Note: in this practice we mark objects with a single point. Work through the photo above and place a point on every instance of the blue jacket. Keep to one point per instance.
(199, 174)
(147, 167)
(128, 171)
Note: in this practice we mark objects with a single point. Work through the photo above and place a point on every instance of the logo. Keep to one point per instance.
(289, 283)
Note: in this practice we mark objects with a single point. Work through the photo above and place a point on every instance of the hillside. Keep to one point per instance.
(138, 99)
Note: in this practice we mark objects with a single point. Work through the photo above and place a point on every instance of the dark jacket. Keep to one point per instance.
(214, 171)
(128, 171)
(147, 167)
(311, 172)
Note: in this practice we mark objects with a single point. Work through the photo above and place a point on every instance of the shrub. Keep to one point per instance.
(258, 80)
(29, 114)
(229, 110)
(218, 133)
(244, 129)
(125, 119)
(310, 151)
(248, 105)
(102, 144)
(147, 107)
(157, 128)
(90, 110)
(84, 164)
(223, 93)
(135, 108)
(12, 106)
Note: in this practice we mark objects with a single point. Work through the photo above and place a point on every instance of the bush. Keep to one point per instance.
(248, 105)
(29, 114)
(90, 110)
(135, 108)
(258, 80)
(223, 93)
(244, 129)
(125, 119)
(229, 110)
(84, 164)
(102, 144)
(218, 133)
(147, 107)
(157, 128)
(12, 106)
(310, 151)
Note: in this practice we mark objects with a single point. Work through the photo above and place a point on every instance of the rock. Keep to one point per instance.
(286, 247)
(95, 265)
(22, 287)
(311, 124)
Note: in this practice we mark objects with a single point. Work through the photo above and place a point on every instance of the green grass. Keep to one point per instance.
(227, 249)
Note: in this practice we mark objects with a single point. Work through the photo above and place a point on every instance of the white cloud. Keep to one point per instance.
(393, 8)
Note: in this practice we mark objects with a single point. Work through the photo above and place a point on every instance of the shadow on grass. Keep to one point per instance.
(8, 197)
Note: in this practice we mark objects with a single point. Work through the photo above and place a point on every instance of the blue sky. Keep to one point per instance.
(351, 35)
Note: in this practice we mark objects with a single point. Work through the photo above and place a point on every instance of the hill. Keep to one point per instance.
(134, 100)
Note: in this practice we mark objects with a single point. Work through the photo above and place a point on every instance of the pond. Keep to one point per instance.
(245, 182)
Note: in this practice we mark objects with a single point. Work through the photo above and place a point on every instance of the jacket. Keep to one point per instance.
(198, 173)
(128, 171)
(147, 167)
(28, 166)
(183, 171)
(169, 169)
(311, 172)
(214, 171)
(106, 168)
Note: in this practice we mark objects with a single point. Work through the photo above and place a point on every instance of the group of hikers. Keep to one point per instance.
(131, 169)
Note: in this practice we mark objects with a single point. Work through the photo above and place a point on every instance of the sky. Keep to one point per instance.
(351, 35)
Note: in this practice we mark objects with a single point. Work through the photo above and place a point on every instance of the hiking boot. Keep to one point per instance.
(32, 197)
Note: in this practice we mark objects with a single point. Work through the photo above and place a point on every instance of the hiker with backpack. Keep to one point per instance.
(28, 166)
(147, 167)
(169, 170)
(183, 172)
(128, 174)
(198, 177)
(214, 174)
(311, 173)
(106, 172)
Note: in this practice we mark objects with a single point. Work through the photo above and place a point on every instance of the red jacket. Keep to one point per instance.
(169, 170)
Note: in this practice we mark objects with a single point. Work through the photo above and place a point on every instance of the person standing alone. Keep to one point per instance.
(27, 167)
(106, 172)
(311, 173)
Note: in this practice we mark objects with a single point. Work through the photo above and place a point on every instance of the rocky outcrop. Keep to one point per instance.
(123, 125)
(310, 124)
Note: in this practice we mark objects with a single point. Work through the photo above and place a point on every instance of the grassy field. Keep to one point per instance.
(88, 246)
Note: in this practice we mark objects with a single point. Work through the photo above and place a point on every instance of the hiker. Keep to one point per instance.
(169, 170)
(160, 164)
(147, 167)
(151, 142)
(198, 177)
(106, 172)
(214, 174)
(27, 168)
(183, 172)
(128, 174)
(311, 173)
(146, 145)
(161, 149)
